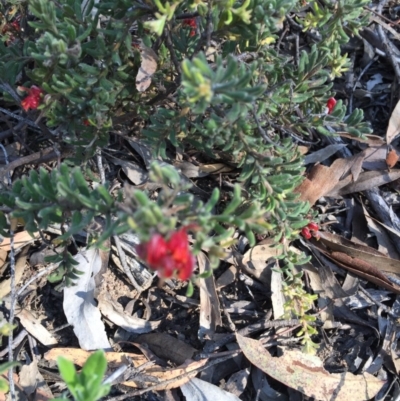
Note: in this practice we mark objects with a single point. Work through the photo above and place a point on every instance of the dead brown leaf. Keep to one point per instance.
(20, 239)
(147, 68)
(210, 312)
(165, 378)
(322, 179)
(33, 327)
(167, 347)
(215, 168)
(367, 180)
(174, 378)
(256, 260)
(79, 356)
(394, 124)
(370, 255)
(392, 158)
(306, 374)
(5, 285)
(3, 257)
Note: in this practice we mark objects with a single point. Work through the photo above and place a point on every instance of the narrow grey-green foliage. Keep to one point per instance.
(241, 99)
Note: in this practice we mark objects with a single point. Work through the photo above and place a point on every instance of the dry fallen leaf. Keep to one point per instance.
(164, 379)
(366, 180)
(392, 158)
(3, 257)
(198, 390)
(322, 154)
(394, 124)
(167, 347)
(337, 243)
(79, 356)
(215, 168)
(114, 312)
(5, 285)
(210, 313)
(79, 305)
(147, 67)
(258, 260)
(321, 179)
(20, 239)
(306, 374)
(33, 327)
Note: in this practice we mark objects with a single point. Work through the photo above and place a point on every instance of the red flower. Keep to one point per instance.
(330, 104)
(33, 99)
(168, 256)
(15, 25)
(305, 232)
(313, 226)
(191, 22)
(311, 230)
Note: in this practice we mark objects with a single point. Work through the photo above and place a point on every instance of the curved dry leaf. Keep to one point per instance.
(5, 285)
(20, 239)
(79, 305)
(114, 312)
(340, 244)
(3, 258)
(394, 124)
(215, 168)
(167, 347)
(176, 377)
(79, 356)
(210, 313)
(323, 154)
(322, 179)
(256, 260)
(197, 390)
(147, 67)
(35, 329)
(306, 374)
(366, 180)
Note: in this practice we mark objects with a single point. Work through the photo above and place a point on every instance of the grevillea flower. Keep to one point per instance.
(11, 29)
(34, 98)
(330, 104)
(168, 256)
(305, 232)
(313, 226)
(191, 22)
(311, 230)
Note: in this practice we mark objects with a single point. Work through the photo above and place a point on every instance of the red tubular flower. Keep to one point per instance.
(168, 256)
(330, 104)
(313, 226)
(305, 232)
(15, 25)
(34, 98)
(178, 245)
(191, 22)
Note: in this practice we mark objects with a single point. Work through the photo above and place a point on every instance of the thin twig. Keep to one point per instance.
(170, 47)
(100, 166)
(17, 117)
(42, 156)
(35, 277)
